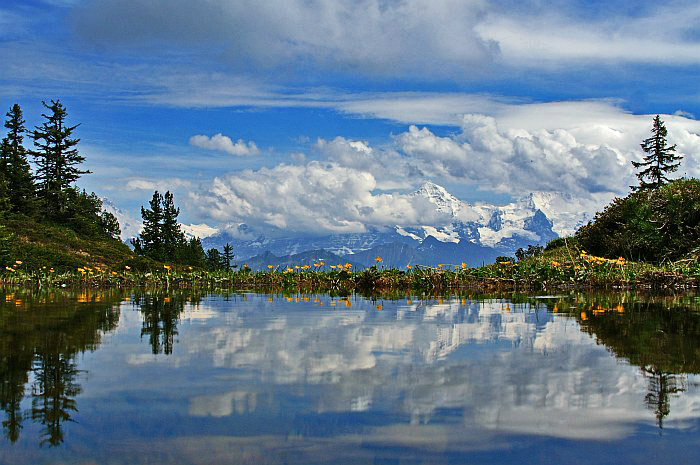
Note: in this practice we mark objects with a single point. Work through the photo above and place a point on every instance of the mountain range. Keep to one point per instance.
(474, 234)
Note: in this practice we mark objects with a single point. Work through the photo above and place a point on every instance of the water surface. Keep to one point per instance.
(178, 378)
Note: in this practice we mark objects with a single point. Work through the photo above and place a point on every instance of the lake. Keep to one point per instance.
(135, 377)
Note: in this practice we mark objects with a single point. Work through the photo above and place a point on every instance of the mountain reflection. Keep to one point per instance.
(41, 333)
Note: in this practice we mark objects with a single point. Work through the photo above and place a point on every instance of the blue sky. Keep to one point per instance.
(364, 99)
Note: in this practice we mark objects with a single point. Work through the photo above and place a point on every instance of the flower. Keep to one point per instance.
(409, 267)
(18, 262)
(464, 266)
(379, 307)
(378, 259)
(168, 267)
(11, 270)
(127, 267)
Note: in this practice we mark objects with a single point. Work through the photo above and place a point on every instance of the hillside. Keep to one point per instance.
(39, 244)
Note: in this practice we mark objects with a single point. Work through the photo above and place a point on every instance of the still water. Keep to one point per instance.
(166, 378)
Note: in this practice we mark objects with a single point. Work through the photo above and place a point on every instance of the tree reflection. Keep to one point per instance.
(662, 340)
(662, 385)
(43, 333)
(161, 315)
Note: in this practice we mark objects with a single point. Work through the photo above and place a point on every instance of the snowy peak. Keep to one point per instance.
(438, 196)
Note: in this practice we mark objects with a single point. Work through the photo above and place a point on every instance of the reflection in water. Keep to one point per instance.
(661, 337)
(662, 386)
(41, 334)
(161, 312)
(315, 378)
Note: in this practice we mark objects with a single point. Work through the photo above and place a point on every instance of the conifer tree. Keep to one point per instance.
(56, 157)
(171, 234)
(659, 161)
(227, 256)
(214, 259)
(150, 242)
(14, 166)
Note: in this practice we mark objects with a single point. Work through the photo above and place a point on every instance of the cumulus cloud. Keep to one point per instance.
(318, 197)
(356, 185)
(225, 144)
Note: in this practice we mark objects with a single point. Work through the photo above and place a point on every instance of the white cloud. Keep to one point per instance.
(428, 38)
(318, 197)
(357, 185)
(225, 144)
(161, 185)
(555, 38)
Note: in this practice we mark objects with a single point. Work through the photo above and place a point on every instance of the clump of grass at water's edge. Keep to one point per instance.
(566, 266)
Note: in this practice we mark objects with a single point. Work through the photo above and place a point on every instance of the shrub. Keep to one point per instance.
(650, 225)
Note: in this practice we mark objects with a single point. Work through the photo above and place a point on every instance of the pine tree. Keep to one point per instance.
(150, 242)
(14, 166)
(214, 259)
(659, 161)
(172, 235)
(227, 256)
(56, 158)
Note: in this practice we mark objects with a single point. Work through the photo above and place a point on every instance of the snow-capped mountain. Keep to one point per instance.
(463, 232)
(471, 233)
(130, 226)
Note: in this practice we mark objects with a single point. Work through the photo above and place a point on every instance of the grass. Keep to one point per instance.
(53, 256)
(562, 268)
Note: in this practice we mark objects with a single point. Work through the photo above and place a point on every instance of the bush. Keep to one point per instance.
(650, 225)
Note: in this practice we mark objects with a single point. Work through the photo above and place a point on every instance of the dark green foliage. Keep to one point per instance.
(531, 251)
(150, 241)
(192, 253)
(650, 225)
(214, 261)
(162, 239)
(659, 161)
(227, 256)
(172, 236)
(57, 159)
(14, 167)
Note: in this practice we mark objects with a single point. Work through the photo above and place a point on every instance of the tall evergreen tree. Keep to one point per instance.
(227, 256)
(659, 161)
(214, 259)
(150, 242)
(172, 235)
(56, 158)
(14, 165)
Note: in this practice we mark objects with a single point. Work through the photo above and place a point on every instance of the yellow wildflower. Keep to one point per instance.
(378, 259)
(18, 262)
(11, 270)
